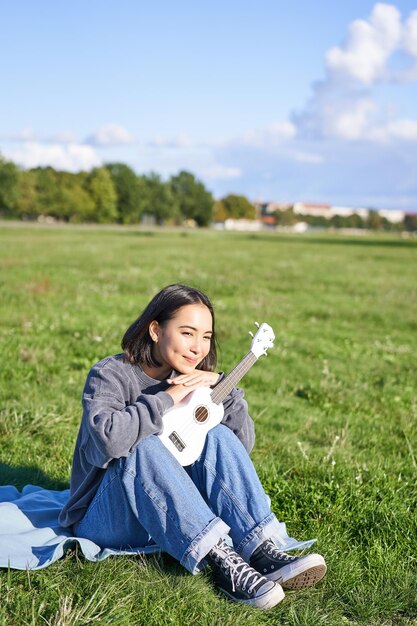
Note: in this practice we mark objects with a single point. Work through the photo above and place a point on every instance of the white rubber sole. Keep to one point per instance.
(266, 601)
(305, 572)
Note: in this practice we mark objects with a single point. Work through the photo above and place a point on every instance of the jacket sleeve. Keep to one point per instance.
(113, 425)
(236, 418)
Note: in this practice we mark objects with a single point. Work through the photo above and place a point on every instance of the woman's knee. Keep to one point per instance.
(220, 436)
(150, 452)
(220, 432)
(150, 444)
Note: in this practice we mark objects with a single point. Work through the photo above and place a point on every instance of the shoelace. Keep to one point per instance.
(273, 551)
(238, 568)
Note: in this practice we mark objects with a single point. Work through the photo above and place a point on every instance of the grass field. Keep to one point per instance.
(334, 404)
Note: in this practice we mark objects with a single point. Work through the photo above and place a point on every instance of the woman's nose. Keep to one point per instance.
(196, 345)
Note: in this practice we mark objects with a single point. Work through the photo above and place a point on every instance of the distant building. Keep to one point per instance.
(239, 224)
(268, 220)
(395, 217)
(308, 208)
(268, 208)
(346, 211)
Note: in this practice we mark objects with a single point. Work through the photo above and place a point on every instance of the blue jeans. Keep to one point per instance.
(148, 498)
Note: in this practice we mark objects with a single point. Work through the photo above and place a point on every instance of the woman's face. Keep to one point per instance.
(184, 341)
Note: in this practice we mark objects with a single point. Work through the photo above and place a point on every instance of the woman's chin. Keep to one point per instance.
(185, 368)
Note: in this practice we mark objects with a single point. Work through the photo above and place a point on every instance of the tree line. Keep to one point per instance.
(113, 193)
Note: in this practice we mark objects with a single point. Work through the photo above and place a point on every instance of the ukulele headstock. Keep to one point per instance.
(263, 340)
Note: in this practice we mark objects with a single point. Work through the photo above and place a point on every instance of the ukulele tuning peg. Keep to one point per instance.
(251, 334)
(256, 324)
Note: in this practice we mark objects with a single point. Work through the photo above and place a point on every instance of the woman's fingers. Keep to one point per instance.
(180, 392)
(198, 377)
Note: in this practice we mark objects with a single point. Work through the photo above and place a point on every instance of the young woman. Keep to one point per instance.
(129, 491)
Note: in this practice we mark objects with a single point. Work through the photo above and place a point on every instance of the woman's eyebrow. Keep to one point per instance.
(194, 328)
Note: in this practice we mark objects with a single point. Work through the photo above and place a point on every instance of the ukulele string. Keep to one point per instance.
(227, 384)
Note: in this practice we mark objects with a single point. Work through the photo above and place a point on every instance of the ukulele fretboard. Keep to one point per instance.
(226, 385)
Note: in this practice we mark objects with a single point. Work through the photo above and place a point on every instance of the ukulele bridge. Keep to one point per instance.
(177, 441)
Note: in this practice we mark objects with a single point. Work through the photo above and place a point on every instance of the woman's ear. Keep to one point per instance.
(154, 330)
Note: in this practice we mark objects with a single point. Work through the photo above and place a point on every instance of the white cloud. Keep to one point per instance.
(402, 129)
(64, 137)
(351, 123)
(71, 157)
(409, 45)
(272, 135)
(368, 48)
(25, 134)
(220, 172)
(410, 34)
(332, 115)
(358, 119)
(181, 141)
(110, 135)
(307, 157)
(344, 106)
(363, 120)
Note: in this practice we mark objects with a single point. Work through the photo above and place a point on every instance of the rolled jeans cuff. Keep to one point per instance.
(193, 557)
(265, 530)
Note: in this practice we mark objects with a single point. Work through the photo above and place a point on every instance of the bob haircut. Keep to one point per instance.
(137, 343)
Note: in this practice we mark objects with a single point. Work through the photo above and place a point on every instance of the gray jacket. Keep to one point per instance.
(121, 406)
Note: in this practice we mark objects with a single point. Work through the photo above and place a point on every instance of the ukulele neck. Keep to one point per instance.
(223, 388)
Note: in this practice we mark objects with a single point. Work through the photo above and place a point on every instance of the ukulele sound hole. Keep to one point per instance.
(201, 414)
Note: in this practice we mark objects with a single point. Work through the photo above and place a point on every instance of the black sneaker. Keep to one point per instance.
(292, 572)
(240, 582)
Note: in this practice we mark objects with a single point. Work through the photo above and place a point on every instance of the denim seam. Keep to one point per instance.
(98, 495)
(157, 503)
(128, 471)
(231, 495)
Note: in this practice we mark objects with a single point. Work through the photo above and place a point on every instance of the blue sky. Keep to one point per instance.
(313, 101)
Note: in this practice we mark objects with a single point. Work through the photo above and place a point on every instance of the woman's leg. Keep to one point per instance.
(149, 496)
(227, 479)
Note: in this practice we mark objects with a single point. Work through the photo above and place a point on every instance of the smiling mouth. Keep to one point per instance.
(190, 360)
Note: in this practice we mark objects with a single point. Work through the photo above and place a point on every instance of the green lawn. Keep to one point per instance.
(334, 404)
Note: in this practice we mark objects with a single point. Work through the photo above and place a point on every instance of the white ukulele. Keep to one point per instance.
(187, 424)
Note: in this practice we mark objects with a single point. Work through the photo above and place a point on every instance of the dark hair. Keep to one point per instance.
(137, 343)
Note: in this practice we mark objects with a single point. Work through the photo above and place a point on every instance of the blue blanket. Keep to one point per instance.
(31, 537)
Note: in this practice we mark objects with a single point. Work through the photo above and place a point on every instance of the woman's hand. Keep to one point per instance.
(183, 385)
(197, 378)
(179, 392)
